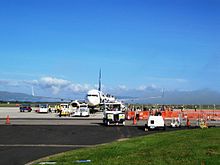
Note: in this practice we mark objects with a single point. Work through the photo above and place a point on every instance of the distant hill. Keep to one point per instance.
(11, 96)
(204, 96)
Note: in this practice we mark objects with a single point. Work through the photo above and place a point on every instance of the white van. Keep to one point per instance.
(43, 108)
(155, 122)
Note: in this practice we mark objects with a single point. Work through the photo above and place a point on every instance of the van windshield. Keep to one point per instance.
(43, 106)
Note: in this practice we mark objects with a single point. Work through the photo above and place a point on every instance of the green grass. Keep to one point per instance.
(193, 147)
(7, 105)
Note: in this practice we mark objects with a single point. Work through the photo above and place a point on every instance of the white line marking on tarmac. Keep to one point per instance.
(44, 145)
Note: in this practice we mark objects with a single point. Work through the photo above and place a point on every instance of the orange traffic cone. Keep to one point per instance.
(134, 121)
(7, 120)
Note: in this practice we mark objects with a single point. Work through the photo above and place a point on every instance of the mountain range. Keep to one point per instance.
(204, 96)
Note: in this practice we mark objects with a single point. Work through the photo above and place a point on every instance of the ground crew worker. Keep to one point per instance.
(187, 122)
(49, 108)
(60, 112)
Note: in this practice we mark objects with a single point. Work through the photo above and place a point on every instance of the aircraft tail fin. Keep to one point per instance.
(100, 83)
(33, 94)
(162, 96)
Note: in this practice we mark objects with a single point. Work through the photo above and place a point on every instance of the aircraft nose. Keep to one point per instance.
(92, 101)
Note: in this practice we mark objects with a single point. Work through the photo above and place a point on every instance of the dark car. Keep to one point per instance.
(25, 107)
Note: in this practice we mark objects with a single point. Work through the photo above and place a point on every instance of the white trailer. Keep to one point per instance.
(155, 122)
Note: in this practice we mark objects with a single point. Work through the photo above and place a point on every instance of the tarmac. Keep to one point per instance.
(22, 144)
(31, 135)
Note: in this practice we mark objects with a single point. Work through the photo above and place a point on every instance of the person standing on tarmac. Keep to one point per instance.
(137, 113)
(60, 112)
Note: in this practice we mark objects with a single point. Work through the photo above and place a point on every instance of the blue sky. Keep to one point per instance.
(52, 44)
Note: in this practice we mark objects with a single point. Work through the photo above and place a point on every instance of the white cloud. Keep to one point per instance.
(61, 85)
(55, 90)
(49, 84)
(78, 87)
(122, 87)
(145, 87)
(51, 81)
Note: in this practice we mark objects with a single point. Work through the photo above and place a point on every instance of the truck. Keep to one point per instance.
(64, 110)
(113, 114)
(155, 122)
(175, 122)
(79, 108)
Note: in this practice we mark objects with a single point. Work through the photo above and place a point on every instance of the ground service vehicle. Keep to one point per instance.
(79, 109)
(65, 111)
(112, 114)
(43, 108)
(155, 122)
(25, 107)
(175, 122)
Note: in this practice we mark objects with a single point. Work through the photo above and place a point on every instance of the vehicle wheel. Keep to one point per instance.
(108, 123)
(123, 123)
(164, 128)
(105, 122)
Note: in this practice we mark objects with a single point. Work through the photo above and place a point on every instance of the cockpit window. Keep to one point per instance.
(92, 95)
(74, 105)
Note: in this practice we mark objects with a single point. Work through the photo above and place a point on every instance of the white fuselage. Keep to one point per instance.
(96, 97)
(79, 109)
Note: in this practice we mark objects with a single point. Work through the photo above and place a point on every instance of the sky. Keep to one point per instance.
(58, 46)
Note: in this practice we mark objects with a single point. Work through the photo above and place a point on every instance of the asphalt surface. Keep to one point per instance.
(22, 144)
(31, 136)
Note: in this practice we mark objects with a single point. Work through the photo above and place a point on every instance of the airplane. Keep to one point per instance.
(96, 97)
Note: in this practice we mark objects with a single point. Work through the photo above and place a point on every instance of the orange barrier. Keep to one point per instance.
(143, 115)
(190, 114)
(130, 115)
(206, 114)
